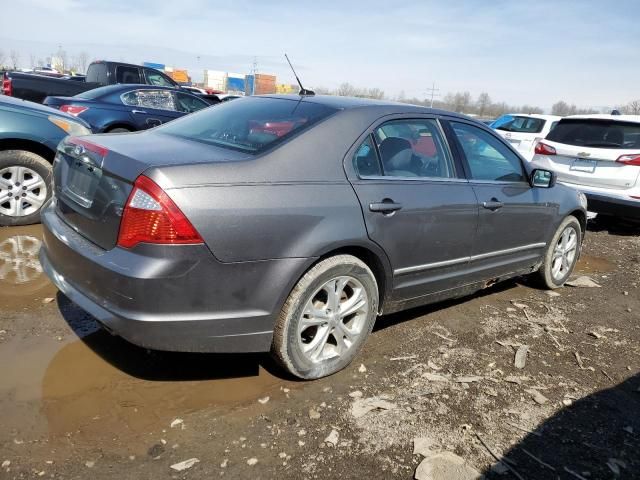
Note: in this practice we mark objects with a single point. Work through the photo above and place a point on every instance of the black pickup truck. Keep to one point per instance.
(36, 88)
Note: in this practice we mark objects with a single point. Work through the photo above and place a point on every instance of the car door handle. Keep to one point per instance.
(138, 111)
(493, 205)
(385, 206)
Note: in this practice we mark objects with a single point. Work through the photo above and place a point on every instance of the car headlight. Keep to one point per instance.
(583, 200)
(69, 126)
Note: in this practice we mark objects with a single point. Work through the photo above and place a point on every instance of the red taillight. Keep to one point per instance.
(544, 149)
(7, 87)
(630, 159)
(150, 216)
(91, 147)
(73, 109)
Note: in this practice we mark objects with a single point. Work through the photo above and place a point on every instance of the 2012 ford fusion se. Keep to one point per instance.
(289, 223)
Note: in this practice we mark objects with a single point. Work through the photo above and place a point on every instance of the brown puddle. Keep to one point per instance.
(591, 264)
(22, 281)
(102, 387)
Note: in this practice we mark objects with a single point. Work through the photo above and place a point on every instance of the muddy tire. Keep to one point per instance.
(562, 254)
(25, 186)
(326, 318)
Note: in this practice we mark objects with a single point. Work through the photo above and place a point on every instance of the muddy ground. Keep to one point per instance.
(76, 402)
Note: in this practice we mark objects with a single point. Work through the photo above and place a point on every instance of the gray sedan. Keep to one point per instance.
(289, 223)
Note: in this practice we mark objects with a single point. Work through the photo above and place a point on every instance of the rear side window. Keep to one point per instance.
(127, 74)
(596, 133)
(366, 161)
(249, 124)
(520, 124)
(487, 156)
(413, 148)
(97, 73)
(157, 99)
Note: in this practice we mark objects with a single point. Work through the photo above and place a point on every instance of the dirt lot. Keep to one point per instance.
(76, 402)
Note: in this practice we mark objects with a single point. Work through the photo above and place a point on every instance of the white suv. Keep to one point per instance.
(600, 156)
(524, 131)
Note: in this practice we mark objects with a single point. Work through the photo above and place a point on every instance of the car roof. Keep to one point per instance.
(607, 116)
(535, 115)
(348, 103)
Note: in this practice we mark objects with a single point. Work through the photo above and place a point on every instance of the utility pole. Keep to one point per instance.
(254, 70)
(433, 91)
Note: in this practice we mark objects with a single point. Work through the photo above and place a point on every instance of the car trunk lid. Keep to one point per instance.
(93, 176)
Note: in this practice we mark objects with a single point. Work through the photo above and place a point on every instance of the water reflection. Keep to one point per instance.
(22, 281)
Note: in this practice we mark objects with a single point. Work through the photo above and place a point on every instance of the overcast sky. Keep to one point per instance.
(536, 52)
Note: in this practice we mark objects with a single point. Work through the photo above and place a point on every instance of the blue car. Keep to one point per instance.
(29, 136)
(128, 108)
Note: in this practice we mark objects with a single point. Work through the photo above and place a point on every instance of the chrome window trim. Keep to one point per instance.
(473, 258)
(385, 178)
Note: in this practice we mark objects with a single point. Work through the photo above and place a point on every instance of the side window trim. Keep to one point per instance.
(454, 140)
(457, 173)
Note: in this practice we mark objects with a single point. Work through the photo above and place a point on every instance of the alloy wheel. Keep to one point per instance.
(564, 253)
(333, 319)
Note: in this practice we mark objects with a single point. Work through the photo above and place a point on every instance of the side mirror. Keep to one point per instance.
(542, 178)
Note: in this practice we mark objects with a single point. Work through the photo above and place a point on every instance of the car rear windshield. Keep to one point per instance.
(248, 124)
(596, 133)
(513, 123)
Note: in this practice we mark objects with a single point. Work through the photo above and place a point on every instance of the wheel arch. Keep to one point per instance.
(582, 219)
(374, 258)
(119, 124)
(29, 146)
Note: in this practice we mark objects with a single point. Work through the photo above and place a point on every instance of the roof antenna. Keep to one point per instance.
(303, 91)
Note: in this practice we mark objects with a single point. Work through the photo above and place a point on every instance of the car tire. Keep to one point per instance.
(17, 168)
(119, 130)
(560, 258)
(311, 351)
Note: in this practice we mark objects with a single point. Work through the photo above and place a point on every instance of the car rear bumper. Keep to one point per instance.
(616, 206)
(170, 297)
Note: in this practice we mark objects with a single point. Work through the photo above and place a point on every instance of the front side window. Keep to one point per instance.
(127, 75)
(157, 99)
(189, 103)
(249, 124)
(413, 148)
(156, 78)
(487, 156)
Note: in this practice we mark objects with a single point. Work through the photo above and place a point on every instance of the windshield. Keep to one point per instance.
(248, 124)
(596, 133)
(511, 123)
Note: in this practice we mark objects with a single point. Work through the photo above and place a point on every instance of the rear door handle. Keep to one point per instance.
(385, 206)
(493, 205)
(138, 111)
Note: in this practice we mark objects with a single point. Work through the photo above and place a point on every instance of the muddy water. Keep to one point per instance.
(62, 376)
(22, 281)
(591, 264)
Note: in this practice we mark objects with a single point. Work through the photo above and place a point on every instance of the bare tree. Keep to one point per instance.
(83, 61)
(14, 55)
(32, 61)
(483, 103)
(633, 107)
(2, 57)
(561, 108)
(346, 90)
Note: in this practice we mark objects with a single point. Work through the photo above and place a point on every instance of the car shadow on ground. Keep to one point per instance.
(156, 365)
(614, 226)
(596, 437)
